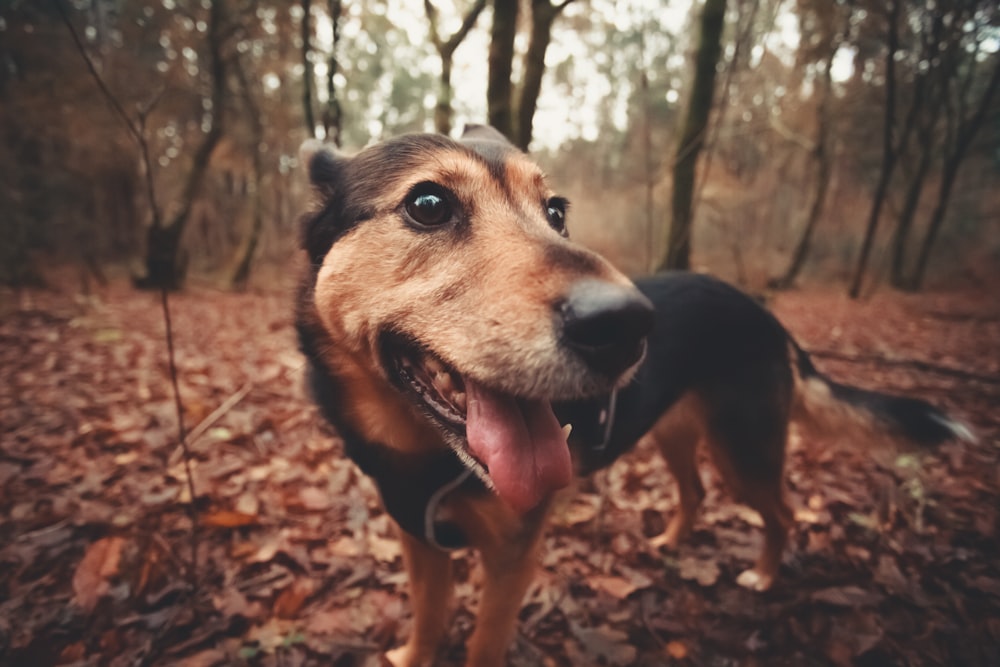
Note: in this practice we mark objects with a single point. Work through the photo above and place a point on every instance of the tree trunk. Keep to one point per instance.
(499, 98)
(240, 276)
(824, 164)
(333, 113)
(443, 111)
(678, 255)
(889, 151)
(166, 265)
(966, 132)
(543, 14)
(904, 225)
(308, 73)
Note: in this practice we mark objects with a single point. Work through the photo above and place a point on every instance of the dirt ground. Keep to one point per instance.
(894, 558)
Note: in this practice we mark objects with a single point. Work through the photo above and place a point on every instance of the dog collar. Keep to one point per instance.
(607, 419)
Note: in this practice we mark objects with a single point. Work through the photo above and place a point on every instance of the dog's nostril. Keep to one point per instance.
(606, 324)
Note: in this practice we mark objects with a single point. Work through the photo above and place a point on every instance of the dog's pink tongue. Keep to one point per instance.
(521, 443)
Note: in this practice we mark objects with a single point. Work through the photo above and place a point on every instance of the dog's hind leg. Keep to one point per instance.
(677, 434)
(748, 414)
(768, 499)
(430, 577)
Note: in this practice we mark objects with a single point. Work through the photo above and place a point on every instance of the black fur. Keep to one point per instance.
(711, 337)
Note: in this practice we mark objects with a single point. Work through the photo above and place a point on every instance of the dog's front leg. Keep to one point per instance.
(508, 566)
(430, 576)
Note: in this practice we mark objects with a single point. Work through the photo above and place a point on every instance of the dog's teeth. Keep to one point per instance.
(566, 430)
(459, 399)
(442, 381)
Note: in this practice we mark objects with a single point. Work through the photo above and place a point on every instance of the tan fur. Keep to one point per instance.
(484, 305)
(677, 435)
(509, 546)
(819, 414)
(491, 302)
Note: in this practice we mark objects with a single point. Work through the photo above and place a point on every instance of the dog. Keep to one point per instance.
(474, 360)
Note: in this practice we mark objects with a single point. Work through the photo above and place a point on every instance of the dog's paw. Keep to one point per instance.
(402, 656)
(677, 531)
(754, 580)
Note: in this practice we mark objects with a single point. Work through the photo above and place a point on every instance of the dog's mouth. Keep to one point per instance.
(515, 444)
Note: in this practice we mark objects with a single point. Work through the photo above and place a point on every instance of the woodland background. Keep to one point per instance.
(840, 159)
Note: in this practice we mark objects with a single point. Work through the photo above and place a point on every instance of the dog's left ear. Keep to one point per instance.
(484, 133)
(325, 166)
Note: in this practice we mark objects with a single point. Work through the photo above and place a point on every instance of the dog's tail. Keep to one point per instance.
(824, 406)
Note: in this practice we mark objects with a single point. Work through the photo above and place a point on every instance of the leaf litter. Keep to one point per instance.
(892, 559)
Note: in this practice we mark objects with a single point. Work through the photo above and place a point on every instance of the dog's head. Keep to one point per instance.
(444, 280)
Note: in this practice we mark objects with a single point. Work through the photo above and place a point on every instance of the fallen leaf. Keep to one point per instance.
(846, 596)
(229, 519)
(331, 622)
(315, 499)
(618, 587)
(677, 650)
(386, 550)
(604, 645)
(100, 563)
(290, 601)
(208, 658)
(705, 572)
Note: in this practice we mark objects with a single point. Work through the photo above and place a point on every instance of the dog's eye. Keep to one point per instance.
(427, 205)
(555, 210)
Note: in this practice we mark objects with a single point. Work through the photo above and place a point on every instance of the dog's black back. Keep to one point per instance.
(708, 337)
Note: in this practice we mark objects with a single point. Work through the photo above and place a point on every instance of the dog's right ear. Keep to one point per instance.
(325, 166)
(327, 173)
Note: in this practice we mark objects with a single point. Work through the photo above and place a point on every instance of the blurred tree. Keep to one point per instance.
(332, 111)
(890, 146)
(243, 259)
(952, 61)
(818, 45)
(309, 72)
(511, 109)
(166, 262)
(678, 255)
(443, 110)
(965, 129)
(499, 87)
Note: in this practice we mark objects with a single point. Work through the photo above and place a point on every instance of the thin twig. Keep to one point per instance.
(108, 95)
(193, 574)
(137, 130)
(216, 414)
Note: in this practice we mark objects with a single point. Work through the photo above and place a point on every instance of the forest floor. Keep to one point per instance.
(894, 559)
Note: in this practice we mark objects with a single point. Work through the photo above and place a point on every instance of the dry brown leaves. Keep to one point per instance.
(891, 562)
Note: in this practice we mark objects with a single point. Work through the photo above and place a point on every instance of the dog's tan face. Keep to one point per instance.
(445, 281)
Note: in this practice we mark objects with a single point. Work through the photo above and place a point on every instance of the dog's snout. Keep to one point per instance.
(606, 324)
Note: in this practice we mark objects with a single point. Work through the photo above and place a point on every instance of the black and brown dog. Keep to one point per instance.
(474, 359)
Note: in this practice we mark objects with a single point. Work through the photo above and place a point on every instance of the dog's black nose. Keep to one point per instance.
(606, 324)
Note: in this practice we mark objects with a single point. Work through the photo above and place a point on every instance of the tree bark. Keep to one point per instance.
(966, 132)
(543, 15)
(308, 73)
(678, 255)
(443, 111)
(499, 89)
(904, 224)
(824, 164)
(333, 113)
(240, 276)
(166, 265)
(890, 151)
